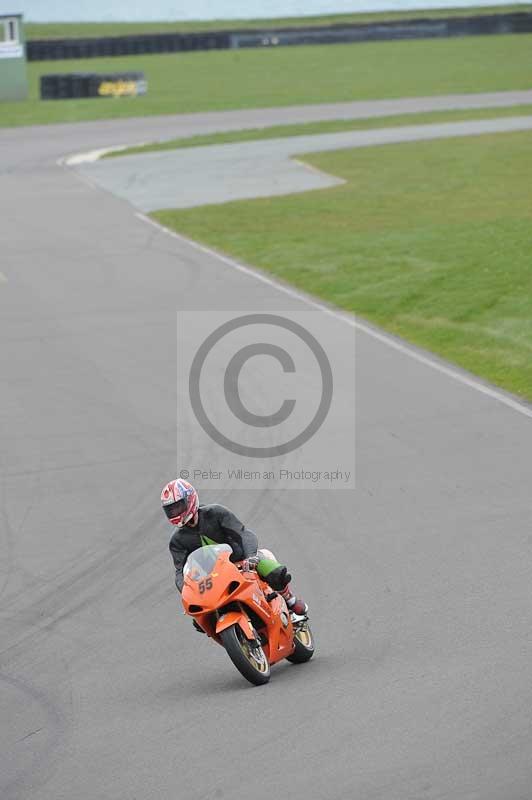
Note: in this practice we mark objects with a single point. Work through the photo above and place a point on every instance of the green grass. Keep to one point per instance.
(235, 79)
(64, 30)
(329, 126)
(430, 240)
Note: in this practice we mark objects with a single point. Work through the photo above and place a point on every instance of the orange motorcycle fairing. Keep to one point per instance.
(218, 595)
(228, 618)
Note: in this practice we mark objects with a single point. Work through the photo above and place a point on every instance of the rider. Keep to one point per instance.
(214, 524)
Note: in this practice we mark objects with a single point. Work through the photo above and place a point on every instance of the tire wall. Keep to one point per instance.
(426, 28)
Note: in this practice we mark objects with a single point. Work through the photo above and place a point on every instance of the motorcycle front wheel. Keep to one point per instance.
(249, 660)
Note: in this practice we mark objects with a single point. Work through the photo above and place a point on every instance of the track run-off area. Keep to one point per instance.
(418, 580)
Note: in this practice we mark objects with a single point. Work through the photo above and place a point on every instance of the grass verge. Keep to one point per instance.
(430, 240)
(235, 79)
(328, 126)
(65, 30)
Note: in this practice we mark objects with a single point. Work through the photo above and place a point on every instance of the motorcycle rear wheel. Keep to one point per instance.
(304, 645)
(251, 662)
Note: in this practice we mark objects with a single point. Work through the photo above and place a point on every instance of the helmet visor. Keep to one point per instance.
(173, 510)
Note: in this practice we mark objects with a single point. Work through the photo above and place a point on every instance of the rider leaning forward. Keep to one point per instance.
(214, 524)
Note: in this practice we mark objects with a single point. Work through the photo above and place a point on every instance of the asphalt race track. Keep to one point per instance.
(197, 176)
(419, 581)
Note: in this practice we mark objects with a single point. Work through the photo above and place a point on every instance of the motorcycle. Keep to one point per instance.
(237, 609)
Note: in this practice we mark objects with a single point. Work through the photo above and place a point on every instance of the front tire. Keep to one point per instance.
(304, 644)
(251, 662)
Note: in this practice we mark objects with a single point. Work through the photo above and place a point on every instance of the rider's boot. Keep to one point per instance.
(279, 579)
(295, 604)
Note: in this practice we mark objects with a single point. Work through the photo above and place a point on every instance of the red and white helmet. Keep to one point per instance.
(180, 502)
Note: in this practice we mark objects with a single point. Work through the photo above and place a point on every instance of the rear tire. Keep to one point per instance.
(250, 662)
(304, 645)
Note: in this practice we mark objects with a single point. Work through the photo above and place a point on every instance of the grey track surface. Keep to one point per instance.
(52, 141)
(198, 176)
(420, 601)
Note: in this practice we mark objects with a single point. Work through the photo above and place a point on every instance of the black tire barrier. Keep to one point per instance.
(57, 49)
(91, 84)
(387, 31)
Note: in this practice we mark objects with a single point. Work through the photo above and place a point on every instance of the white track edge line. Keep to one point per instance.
(500, 397)
(91, 156)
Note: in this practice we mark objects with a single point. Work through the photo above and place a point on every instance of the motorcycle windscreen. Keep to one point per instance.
(201, 562)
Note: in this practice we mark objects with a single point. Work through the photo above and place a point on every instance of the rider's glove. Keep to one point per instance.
(250, 564)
